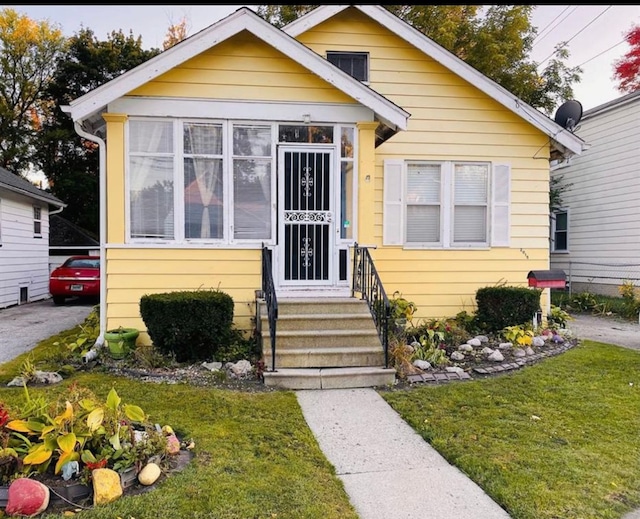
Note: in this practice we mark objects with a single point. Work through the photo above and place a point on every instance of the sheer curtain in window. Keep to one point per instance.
(201, 141)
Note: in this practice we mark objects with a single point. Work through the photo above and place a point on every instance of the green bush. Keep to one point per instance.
(499, 307)
(190, 325)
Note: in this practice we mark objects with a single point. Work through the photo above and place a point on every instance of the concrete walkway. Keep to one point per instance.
(388, 470)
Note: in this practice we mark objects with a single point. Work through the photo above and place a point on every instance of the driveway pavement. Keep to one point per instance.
(22, 327)
(610, 330)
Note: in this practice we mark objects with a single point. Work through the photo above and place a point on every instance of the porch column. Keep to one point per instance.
(366, 182)
(115, 195)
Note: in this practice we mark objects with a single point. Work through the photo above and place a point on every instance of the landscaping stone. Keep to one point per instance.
(27, 498)
(456, 355)
(149, 474)
(106, 486)
(496, 356)
(39, 378)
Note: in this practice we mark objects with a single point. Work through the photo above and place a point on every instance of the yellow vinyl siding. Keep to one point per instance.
(243, 68)
(134, 272)
(450, 120)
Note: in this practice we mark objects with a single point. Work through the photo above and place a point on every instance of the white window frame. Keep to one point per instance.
(178, 181)
(554, 230)
(497, 224)
(37, 221)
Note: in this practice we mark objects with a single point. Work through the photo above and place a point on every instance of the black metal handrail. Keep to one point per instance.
(367, 282)
(269, 294)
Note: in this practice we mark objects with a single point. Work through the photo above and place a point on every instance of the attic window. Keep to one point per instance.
(355, 64)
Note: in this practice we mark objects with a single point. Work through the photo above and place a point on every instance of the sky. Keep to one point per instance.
(595, 33)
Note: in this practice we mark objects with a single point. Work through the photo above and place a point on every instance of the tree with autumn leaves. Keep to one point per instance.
(42, 70)
(627, 68)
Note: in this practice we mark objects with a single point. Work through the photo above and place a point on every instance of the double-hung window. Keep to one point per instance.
(37, 221)
(560, 231)
(200, 181)
(446, 204)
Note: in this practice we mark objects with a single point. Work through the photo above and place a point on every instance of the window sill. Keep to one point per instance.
(436, 247)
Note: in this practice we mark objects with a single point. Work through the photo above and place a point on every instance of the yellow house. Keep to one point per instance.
(273, 164)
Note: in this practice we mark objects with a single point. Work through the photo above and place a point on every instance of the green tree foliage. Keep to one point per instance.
(496, 40)
(69, 161)
(28, 51)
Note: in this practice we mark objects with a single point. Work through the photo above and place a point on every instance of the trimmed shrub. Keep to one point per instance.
(191, 325)
(499, 307)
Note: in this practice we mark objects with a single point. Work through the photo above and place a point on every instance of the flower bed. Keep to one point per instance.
(67, 445)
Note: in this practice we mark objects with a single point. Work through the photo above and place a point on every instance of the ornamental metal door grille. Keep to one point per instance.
(307, 217)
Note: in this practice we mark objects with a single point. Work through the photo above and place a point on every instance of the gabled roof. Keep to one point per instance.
(609, 105)
(94, 102)
(18, 184)
(563, 139)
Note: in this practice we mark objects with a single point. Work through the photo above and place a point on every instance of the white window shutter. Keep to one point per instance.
(392, 226)
(501, 206)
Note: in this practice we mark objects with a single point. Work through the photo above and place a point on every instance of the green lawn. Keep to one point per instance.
(254, 457)
(559, 439)
(554, 440)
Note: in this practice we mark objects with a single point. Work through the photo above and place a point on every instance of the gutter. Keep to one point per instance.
(103, 225)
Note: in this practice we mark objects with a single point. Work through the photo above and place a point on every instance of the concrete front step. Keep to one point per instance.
(333, 305)
(326, 357)
(330, 378)
(347, 321)
(324, 339)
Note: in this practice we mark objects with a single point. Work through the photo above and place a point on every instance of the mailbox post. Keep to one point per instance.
(546, 279)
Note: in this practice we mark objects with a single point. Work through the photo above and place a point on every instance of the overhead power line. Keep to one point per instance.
(576, 34)
(540, 37)
(601, 53)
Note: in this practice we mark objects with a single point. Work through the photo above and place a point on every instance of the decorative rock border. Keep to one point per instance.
(440, 376)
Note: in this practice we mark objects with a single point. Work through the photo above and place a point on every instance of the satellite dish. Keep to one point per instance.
(569, 114)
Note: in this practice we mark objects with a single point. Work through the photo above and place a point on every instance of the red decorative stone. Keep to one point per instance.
(27, 497)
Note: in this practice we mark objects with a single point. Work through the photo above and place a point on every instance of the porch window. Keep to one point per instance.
(37, 222)
(151, 182)
(200, 181)
(560, 231)
(252, 151)
(356, 64)
(446, 204)
(347, 210)
(203, 182)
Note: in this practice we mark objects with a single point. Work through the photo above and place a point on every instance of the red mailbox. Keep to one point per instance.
(547, 278)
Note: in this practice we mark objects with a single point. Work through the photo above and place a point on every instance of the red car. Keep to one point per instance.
(78, 276)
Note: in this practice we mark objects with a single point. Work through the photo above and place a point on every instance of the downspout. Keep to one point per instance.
(103, 225)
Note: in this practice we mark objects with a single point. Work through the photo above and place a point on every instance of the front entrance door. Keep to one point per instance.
(306, 220)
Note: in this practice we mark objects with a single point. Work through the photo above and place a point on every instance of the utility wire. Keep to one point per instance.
(576, 34)
(540, 37)
(603, 52)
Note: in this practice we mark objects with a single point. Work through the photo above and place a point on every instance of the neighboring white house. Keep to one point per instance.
(24, 240)
(595, 237)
